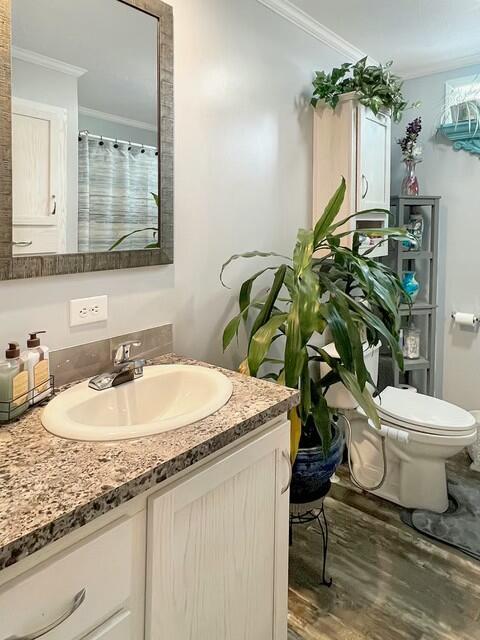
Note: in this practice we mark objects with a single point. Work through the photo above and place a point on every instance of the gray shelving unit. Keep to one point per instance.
(419, 373)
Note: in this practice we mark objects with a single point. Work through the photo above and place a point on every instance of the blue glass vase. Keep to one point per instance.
(410, 285)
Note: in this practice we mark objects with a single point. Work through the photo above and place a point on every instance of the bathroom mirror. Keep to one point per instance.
(87, 136)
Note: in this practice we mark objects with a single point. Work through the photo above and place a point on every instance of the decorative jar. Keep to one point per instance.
(411, 343)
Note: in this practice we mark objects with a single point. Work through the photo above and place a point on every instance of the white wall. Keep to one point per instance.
(33, 82)
(454, 175)
(243, 181)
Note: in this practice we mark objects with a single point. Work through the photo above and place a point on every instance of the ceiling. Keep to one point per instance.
(421, 36)
(115, 43)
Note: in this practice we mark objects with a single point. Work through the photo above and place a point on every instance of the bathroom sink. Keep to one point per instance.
(166, 397)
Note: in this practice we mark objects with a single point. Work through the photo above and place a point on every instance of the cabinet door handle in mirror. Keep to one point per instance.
(24, 243)
(77, 602)
(286, 455)
(366, 185)
(54, 210)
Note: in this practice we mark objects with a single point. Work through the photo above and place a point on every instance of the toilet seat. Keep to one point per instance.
(423, 414)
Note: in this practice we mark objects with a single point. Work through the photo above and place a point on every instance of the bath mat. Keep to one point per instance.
(459, 526)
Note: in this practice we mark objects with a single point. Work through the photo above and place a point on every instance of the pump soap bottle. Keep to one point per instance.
(13, 384)
(38, 364)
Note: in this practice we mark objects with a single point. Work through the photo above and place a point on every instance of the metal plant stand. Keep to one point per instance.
(311, 512)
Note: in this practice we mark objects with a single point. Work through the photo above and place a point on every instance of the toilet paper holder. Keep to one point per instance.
(465, 319)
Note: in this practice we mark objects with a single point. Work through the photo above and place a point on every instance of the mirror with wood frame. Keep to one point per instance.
(86, 177)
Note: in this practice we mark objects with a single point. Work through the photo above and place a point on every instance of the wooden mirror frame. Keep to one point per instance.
(12, 268)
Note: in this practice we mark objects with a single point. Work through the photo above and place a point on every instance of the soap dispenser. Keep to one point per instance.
(13, 384)
(38, 364)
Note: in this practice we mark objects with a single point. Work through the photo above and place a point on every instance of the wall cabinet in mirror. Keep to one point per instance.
(86, 147)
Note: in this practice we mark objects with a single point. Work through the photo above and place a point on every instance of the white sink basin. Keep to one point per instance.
(166, 397)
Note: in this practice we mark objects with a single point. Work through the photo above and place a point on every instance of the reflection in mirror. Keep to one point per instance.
(84, 127)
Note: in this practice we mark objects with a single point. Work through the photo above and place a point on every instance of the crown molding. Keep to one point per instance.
(111, 117)
(49, 63)
(419, 71)
(320, 32)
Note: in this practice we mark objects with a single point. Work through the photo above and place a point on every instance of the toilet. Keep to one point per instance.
(421, 434)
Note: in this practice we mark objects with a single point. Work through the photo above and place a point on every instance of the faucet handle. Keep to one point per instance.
(122, 353)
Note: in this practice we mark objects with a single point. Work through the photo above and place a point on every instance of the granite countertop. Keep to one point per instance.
(50, 486)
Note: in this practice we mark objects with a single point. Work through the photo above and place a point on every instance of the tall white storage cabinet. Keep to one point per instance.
(351, 141)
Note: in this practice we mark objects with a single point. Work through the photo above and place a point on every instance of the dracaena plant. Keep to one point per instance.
(325, 292)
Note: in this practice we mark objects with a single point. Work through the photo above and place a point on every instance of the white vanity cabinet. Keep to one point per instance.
(351, 141)
(203, 558)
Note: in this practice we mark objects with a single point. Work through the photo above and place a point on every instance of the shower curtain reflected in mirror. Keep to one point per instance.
(116, 183)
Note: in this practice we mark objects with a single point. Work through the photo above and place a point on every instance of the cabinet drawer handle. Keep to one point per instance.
(364, 180)
(286, 455)
(23, 243)
(77, 602)
(54, 211)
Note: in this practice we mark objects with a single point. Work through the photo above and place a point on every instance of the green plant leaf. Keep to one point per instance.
(363, 397)
(294, 354)
(249, 254)
(231, 330)
(268, 306)
(261, 342)
(132, 233)
(330, 213)
(322, 420)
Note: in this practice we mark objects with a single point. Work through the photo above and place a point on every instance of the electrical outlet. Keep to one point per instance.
(88, 310)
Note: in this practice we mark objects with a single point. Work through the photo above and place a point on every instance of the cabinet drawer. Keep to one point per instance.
(34, 240)
(117, 628)
(48, 595)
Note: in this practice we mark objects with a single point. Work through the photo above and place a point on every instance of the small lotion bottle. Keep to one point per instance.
(38, 365)
(13, 384)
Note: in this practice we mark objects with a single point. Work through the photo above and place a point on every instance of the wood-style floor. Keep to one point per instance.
(389, 582)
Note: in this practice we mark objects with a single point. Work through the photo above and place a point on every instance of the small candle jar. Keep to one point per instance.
(411, 343)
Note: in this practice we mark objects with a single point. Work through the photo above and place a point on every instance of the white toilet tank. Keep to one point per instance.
(337, 396)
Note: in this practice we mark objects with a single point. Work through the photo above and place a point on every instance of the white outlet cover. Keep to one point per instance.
(88, 310)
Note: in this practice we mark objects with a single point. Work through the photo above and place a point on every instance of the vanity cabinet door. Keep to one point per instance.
(217, 563)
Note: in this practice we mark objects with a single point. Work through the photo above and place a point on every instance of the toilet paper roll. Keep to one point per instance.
(465, 319)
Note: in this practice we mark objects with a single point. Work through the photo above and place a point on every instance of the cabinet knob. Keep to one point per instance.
(77, 602)
(286, 456)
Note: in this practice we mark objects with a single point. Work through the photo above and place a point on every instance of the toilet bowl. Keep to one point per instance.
(421, 434)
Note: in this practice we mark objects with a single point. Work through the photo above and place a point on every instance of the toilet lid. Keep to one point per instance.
(423, 413)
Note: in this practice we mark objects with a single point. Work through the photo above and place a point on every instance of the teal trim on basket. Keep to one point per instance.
(464, 135)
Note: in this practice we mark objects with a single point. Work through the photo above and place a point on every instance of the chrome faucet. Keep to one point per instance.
(125, 369)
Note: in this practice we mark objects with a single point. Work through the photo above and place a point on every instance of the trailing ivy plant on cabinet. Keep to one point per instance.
(353, 142)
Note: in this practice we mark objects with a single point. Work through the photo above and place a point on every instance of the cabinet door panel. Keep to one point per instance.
(373, 165)
(214, 550)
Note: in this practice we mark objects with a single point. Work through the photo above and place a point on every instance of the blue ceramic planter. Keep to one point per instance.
(312, 470)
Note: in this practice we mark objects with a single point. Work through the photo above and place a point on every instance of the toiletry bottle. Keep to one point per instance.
(38, 364)
(13, 384)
